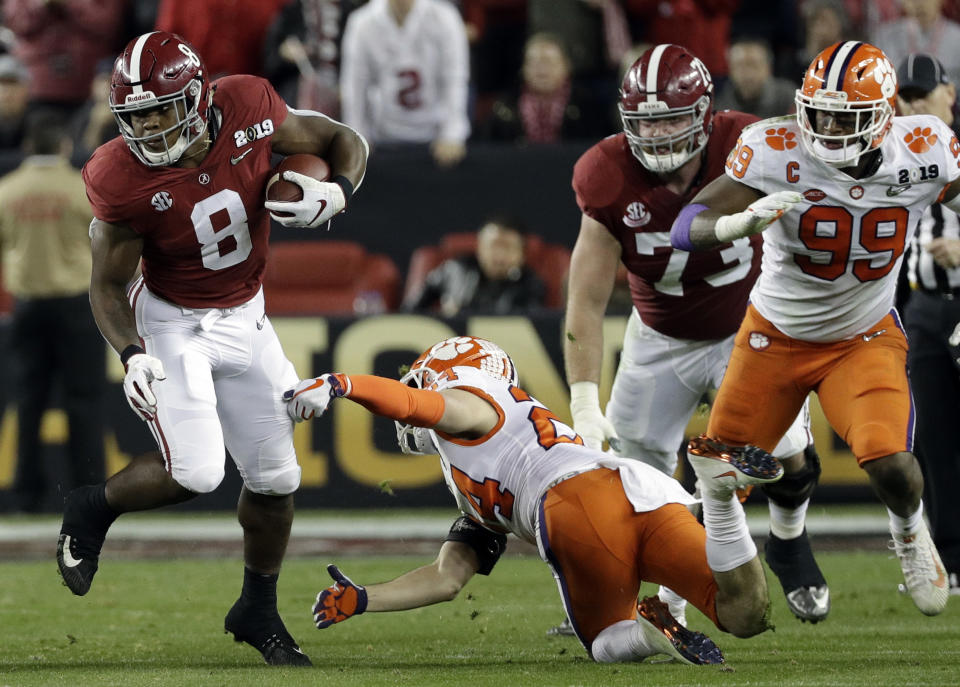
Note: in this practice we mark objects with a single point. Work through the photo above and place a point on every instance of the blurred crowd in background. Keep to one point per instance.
(530, 71)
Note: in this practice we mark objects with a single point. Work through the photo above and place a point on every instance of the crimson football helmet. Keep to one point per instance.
(846, 103)
(155, 70)
(437, 366)
(664, 87)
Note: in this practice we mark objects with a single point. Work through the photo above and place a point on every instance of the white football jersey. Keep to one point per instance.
(406, 83)
(830, 264)
(500, 479)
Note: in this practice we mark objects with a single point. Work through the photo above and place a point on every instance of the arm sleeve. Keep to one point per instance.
(389, 398)
(488, 545)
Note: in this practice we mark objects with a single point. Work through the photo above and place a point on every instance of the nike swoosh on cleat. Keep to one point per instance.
(730, 473)
(71, 562)
(941, 579)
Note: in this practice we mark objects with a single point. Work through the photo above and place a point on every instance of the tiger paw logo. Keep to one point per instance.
(758, 341)
(921, 139)
(781, 139)
(451, 348)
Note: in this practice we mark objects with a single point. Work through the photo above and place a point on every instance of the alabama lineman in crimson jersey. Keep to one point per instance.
(836, 191)
(687, 306)
(603, 524)
(181, 192)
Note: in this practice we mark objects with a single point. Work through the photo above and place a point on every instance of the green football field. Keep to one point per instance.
(159, 622)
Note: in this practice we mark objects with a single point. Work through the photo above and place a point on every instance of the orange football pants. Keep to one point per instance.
(862, 385)
(600, 550)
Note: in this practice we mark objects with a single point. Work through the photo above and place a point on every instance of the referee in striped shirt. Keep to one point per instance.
(932, 318)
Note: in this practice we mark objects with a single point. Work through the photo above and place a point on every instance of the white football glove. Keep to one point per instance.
(588, 420)
(142, 371)
(321, 201)
(311, 397)
(757, 217)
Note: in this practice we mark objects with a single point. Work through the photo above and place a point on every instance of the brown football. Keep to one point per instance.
(311, 165)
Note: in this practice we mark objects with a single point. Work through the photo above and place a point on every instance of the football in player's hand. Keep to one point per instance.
(304, 163)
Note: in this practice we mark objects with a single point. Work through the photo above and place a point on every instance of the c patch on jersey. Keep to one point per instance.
(636, 215)
(759, 341)
(161, 201)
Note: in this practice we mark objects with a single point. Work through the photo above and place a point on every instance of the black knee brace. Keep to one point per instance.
(792, 490)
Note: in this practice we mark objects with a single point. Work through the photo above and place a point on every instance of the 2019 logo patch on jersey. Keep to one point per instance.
(253, 133)
(636, 215)
(161, 201)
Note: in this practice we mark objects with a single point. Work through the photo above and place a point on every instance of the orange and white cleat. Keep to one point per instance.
(724, 469)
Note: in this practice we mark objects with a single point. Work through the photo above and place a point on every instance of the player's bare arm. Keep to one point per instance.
(116, 258)
(726, 210)
(439, 581)
(345, 149)
(593, 270)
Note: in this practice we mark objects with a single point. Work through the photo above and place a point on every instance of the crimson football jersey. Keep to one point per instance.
(205, 229)
(699, 295)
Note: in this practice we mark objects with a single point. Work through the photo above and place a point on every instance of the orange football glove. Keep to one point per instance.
(338, 602)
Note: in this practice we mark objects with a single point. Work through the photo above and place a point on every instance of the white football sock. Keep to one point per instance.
(904, 527)
(729, 544)
(619, 643)
(787, 523)
(675, 603)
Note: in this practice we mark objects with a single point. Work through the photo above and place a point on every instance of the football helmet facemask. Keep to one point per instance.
(846, 103)
(666, 83)
(435, 368)
(155, 70)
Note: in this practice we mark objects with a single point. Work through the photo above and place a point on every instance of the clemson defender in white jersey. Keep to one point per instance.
(836, 191)
(686, 306)
(602, 523)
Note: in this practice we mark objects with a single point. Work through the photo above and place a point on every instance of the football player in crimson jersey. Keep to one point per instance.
(181, 192)
(603, 524)
(687, 306)
(836, 191)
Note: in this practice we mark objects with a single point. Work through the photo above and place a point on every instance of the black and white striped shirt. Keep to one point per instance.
(924, 273)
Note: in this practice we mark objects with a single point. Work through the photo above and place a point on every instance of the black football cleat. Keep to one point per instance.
(662, 631)
(266, 633)
(78, 549)
(804, 586)
(77, 563)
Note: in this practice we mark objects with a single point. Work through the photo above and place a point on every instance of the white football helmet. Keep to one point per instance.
(435, 369)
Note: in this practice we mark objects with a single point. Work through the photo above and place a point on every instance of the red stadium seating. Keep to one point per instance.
(6, 298)
(326, 278)
(549, 260)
